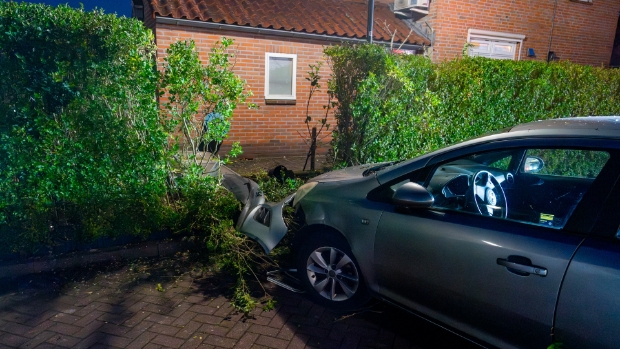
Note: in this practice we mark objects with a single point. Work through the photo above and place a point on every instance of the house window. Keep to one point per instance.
(280, 74)
(493, 49)
(494, 45)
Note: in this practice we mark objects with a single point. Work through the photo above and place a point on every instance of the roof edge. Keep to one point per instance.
(276, 32)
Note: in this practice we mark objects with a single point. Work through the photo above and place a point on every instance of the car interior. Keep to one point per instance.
(537, 186)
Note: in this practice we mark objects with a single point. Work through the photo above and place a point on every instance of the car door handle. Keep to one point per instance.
(522, 268)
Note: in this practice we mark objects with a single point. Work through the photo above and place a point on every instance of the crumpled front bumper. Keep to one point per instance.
(259, 220)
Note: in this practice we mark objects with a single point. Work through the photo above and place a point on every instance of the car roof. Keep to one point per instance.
(597, 126)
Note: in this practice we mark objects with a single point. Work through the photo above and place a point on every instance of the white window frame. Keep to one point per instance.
(478, 36)
(294, 82)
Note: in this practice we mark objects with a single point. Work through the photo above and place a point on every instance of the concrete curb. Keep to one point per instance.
(42, 264)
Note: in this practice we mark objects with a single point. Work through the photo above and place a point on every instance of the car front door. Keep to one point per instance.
(487, 267)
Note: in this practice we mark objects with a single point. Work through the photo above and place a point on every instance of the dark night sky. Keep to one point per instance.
(120, 7)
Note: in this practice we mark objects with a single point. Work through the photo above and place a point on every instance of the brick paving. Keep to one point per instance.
(118, 305)
(176, 302)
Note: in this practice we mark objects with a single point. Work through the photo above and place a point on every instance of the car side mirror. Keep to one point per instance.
(533, 164)
(413, 195)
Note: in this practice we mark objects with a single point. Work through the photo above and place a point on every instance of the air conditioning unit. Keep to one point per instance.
(406, 4)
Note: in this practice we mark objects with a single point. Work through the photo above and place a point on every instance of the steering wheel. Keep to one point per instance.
(488, 195)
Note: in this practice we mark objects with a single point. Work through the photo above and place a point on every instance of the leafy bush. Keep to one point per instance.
(275, 189)
(388, 110)
(350, 65)
(203, 208)
(81, 141)
(393, 107)
(88, 152)
(194, 92)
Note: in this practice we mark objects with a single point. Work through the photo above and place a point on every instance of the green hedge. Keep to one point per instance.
(404, 106)
(80, 138)
(86, 149)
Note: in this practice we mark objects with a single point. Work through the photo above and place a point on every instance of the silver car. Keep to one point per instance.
(510, 239)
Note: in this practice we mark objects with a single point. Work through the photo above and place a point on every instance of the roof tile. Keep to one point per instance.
(343, 18)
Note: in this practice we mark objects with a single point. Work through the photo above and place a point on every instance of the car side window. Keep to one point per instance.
(502, 163)
(535, 186)
(568, 162)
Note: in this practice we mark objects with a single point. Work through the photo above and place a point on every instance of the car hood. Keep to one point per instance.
(348, 173)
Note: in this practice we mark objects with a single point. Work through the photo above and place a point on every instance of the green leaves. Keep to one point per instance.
(82, 141)
(350, 64)
(200, 98)
(392, 107)
(85, 147)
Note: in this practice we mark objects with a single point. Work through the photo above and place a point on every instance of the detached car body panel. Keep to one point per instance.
(259, 220)
(510, 239)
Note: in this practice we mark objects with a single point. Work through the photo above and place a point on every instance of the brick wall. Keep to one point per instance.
(272, 130)
(583, 33)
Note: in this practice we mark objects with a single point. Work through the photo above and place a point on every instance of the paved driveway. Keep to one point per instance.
(180, 303)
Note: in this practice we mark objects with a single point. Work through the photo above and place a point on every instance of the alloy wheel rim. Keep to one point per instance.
(332, 273)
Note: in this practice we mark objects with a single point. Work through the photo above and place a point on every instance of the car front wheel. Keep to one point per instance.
(330, 273)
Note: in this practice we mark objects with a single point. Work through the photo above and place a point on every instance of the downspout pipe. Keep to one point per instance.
(555, 7)
(371, 19)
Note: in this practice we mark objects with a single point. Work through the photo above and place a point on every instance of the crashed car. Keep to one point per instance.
(510, 240)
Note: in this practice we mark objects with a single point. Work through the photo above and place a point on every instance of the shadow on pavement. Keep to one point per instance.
(183, 302)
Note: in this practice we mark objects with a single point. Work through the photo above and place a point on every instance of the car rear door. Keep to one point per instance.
(496, 279)
(589, 305)
(589, 302)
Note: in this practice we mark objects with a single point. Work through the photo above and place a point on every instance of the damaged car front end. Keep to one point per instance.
(264, 221)
(329, 230)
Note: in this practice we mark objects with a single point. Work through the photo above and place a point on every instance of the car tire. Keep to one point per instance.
(330, 273)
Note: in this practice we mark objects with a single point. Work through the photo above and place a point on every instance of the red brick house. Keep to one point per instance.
(581, 31)
(275, 40)
(285, 36)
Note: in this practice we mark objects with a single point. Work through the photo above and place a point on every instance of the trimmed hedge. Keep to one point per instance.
(86, 150)
(80, 139)
(403, 106)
